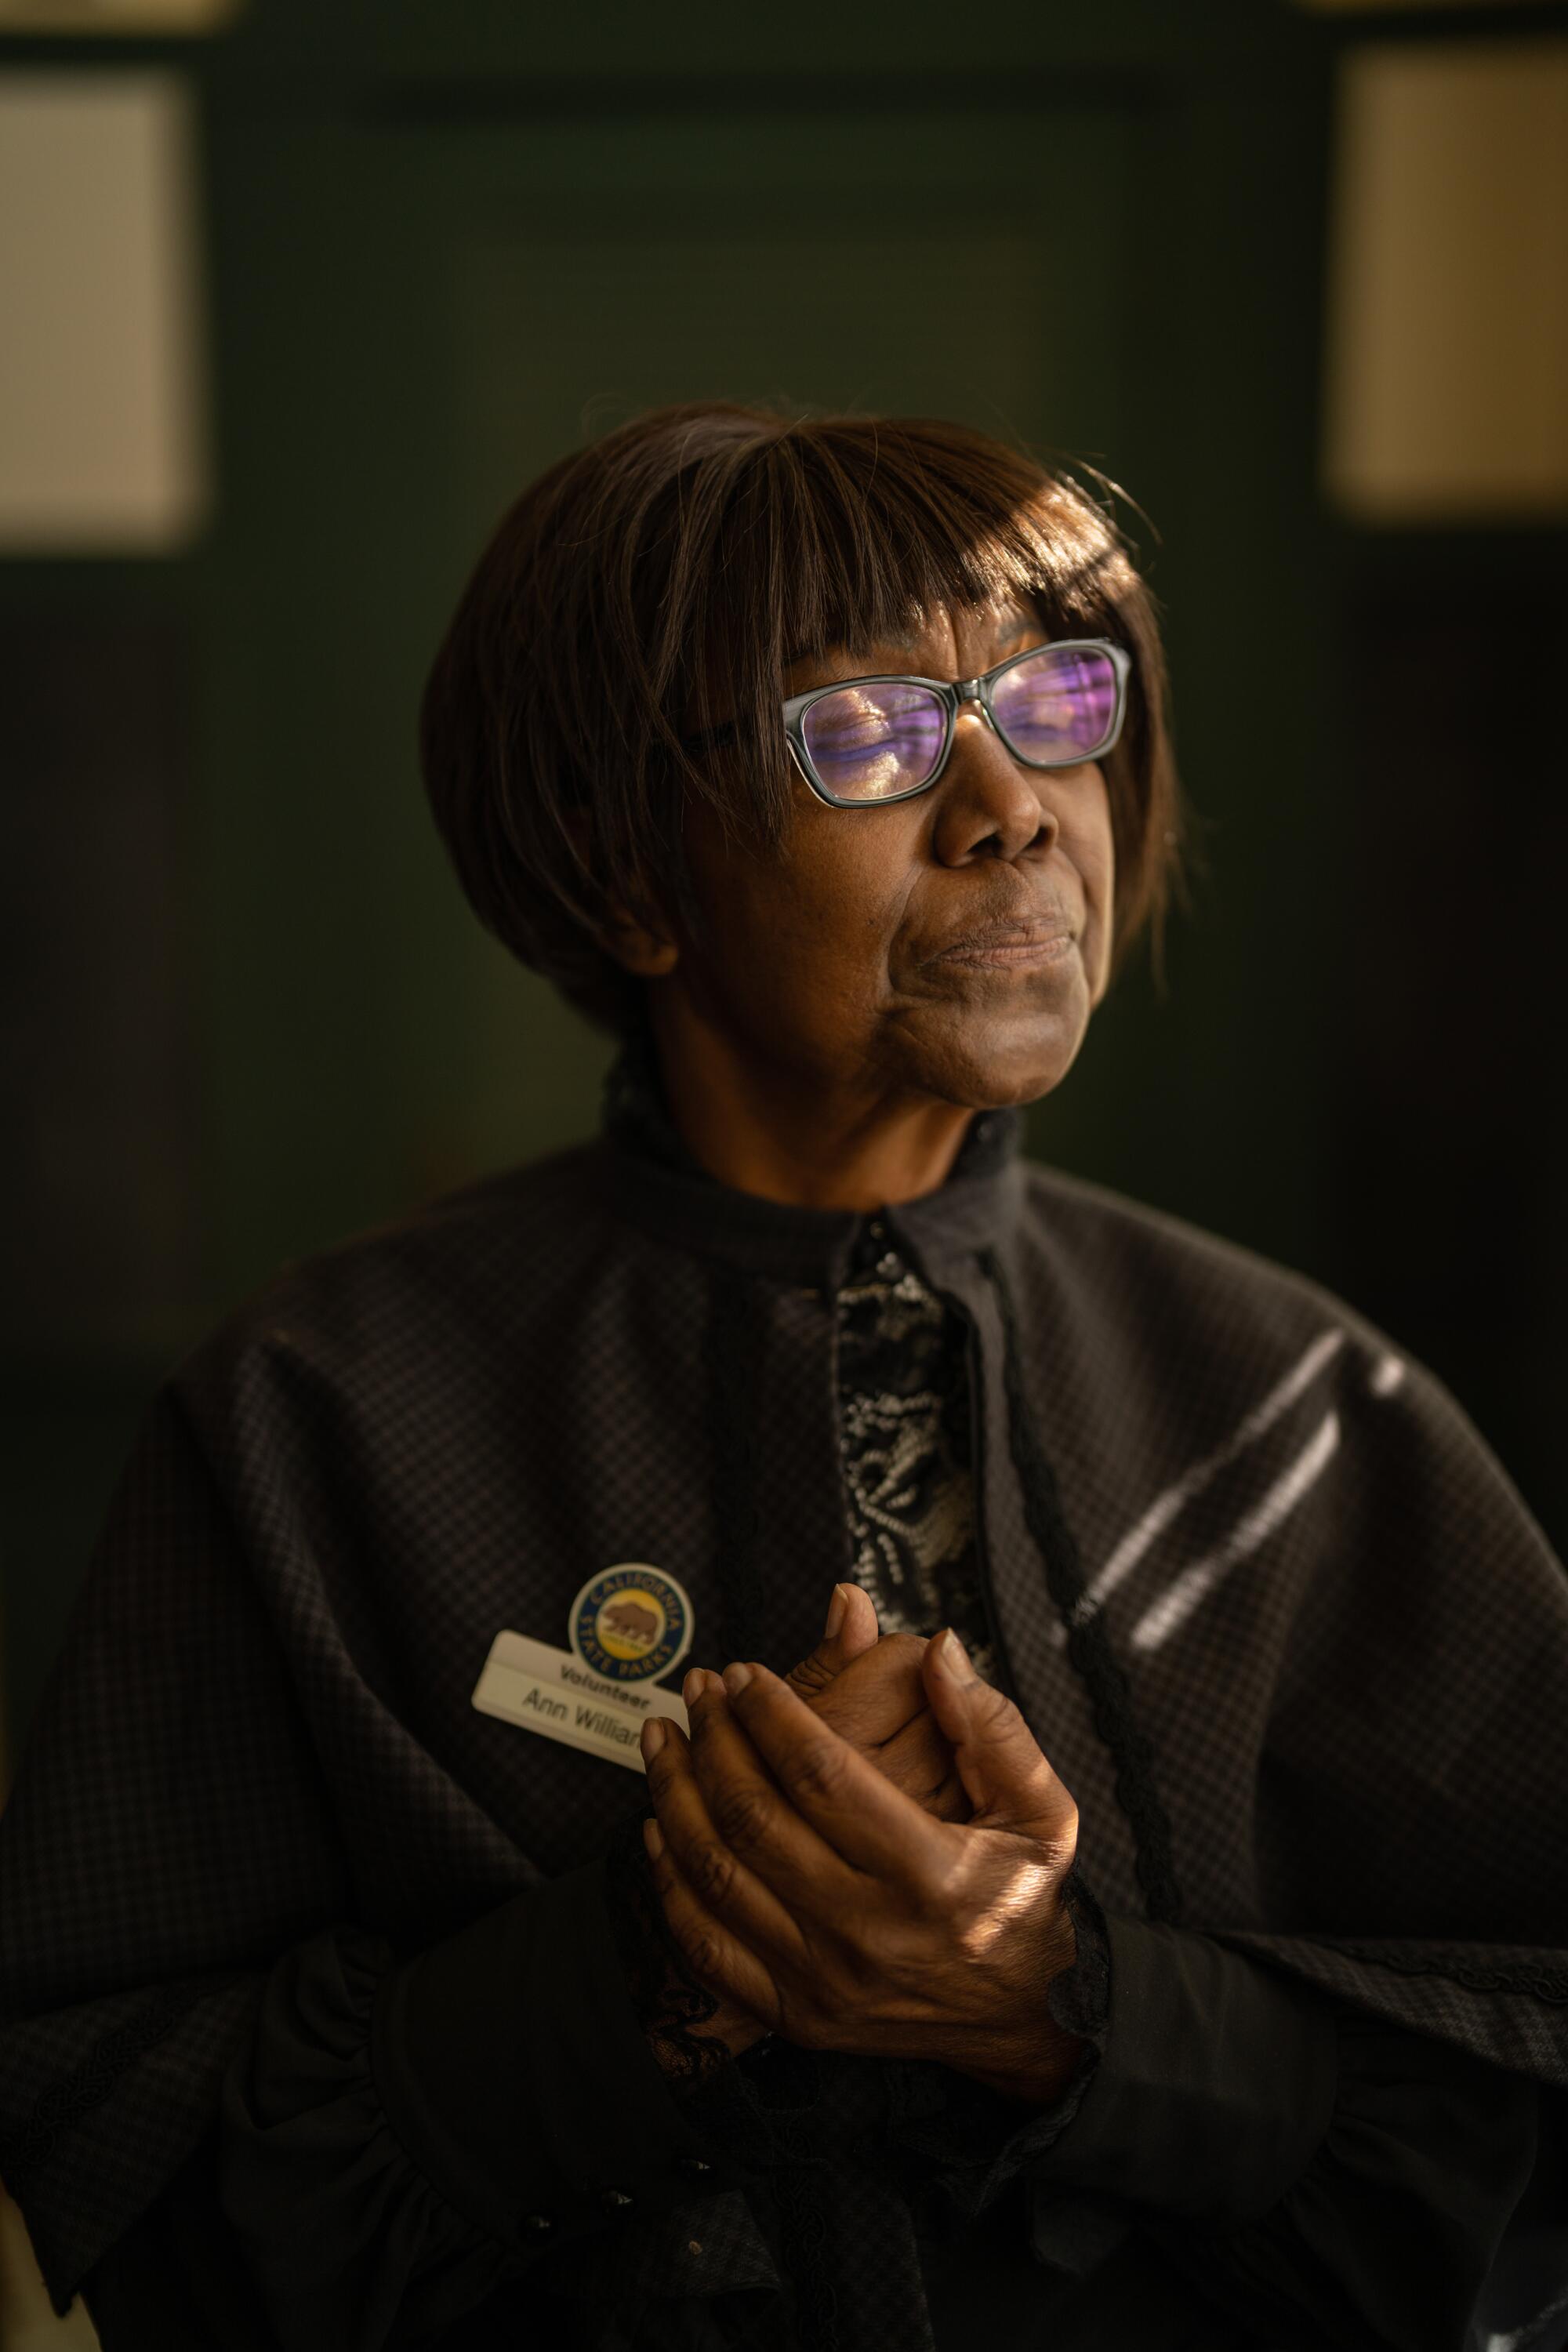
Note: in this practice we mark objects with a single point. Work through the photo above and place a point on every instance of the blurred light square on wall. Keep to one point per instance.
(104, 440)
(116, 15)
(1447, 390)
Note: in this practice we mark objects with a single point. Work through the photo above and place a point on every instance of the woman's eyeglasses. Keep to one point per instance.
(868, 741)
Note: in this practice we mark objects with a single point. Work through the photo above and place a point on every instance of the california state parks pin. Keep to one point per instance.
(630, 1626)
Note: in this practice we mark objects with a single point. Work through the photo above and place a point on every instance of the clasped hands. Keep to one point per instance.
(868, 1856)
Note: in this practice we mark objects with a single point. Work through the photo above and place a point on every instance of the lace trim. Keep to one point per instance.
(1079, 1997)
(1543, 1983)
(62, 2107)
(1078, 2000)
(1089, 1652)
(806, 2185)
(733, 1343)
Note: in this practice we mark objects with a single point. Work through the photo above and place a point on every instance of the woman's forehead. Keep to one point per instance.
(1007, 616)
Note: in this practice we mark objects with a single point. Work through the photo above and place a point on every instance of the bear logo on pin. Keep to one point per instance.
(631, 1623)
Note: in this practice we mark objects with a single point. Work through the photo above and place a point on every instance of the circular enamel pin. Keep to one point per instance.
(631, 1623)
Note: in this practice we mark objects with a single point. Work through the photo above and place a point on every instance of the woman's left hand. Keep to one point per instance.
(801, 1884)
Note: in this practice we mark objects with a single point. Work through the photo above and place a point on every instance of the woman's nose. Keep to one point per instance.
(989, 802)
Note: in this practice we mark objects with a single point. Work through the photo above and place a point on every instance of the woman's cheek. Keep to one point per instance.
(1093, 851)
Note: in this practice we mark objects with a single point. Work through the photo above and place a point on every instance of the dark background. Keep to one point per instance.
(246, 1011)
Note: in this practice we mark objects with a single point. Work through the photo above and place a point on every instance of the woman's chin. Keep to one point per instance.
(995, 1065)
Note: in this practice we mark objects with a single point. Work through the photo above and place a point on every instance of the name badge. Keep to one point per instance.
(630, 1627)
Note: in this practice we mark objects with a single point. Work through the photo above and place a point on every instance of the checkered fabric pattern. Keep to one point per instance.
(1340, 1639)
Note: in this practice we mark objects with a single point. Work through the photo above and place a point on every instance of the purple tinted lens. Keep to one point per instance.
(872, 741)
(1057, 707)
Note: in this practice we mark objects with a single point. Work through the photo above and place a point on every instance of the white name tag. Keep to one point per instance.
(541, 1689)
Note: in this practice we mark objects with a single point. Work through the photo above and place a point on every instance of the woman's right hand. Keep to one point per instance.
(871, 1691)
(870, 1688)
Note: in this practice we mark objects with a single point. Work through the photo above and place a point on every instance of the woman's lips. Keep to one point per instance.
(1011, 946)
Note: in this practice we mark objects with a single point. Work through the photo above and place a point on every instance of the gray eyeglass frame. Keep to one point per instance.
(953, 696)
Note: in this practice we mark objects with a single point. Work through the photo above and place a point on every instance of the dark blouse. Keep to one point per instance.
(1305, 2175)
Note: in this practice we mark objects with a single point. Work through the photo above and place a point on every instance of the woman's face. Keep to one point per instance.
(950, 946)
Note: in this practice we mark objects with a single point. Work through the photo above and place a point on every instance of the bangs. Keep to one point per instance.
(882, 530)
(846, 534)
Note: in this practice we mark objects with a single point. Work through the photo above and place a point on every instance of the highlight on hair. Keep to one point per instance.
(656, 585)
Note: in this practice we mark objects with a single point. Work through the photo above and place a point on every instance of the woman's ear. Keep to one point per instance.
(639, 939)
(639, 943)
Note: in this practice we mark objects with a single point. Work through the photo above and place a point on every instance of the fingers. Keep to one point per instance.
(919, 1760)
(843, 1798)
(716, 1958)
(743, 1850)
(860, 1629)
(876, 1694)
(851, 1629)
(1010, 1783)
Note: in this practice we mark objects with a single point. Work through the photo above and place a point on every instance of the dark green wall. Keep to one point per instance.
(443, 242)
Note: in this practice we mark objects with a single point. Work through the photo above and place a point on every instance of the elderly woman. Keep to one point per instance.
(1113, 1894)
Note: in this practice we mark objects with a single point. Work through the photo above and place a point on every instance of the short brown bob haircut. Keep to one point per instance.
(656, 585)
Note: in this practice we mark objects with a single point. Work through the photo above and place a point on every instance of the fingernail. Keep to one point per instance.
(835, 1608)
(691, 1688)
(652, 1738)
(735, 1678)
(653, 1837)
(953, 1658)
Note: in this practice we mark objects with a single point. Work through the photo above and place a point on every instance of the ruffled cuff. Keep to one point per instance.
(400, 2137)
(343, 2233)
(973, 2139)
(1215, 2085)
